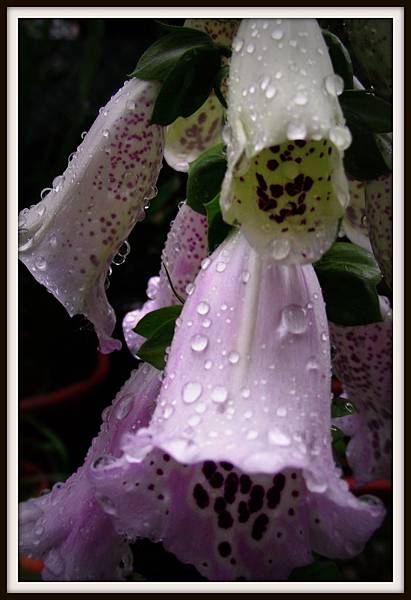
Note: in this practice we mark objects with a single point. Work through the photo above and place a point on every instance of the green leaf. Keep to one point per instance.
(340, 407)
(162, 56)
(153, 351)
(221, 75)
(153, 320)
(205, 177)
(187, 86)
(320, 570)
(340, 58)
(363, 159)
(366, 111)
(349, 277)
(217, 228)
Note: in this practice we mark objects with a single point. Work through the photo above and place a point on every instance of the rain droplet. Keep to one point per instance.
(245, 393)
(191, 392)
(168, 411)
(277, 34)
(245, 276)
(300, 99)
(203, 308)
(123, 407)
(280, 248)
(265, 83)
(250, 48)
(40, 263)
(205, 263)
(208, 364)
(194, 420)
(312, 364)
(233, 357)
(295, 318)
(252, 434)
(334, 84)
(83, 135)
(53, 240)
(107, 505)
(130, 105)
(199, 342)
(219, 394)
(238, 44)
(190, 289)
(296, 130)
(270, 92)
(206, 323)
(221, 267)
(340, 137)
(282, 411)
(106, 133)
(278, 438)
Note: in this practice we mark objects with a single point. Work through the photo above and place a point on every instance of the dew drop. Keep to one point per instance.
(168, 411)
(295, 318)
(250, 48)
(280, 248)
(208, 365)
(219, 394)
(238, 44)
(205, 263)
(245, 276)
(312, 364)
(277, 34)
(199, 342)
(282, 411)
(270, 92)
(265, 82)
(334, 84)
(123, 407)
(191, 392)
(106, 133)
(221, 267)
(252, 434)
(203, 308)
(245, 393)
(206, 323)
(130, 105)
(300, 99)
(278, 438)
(296, 130)
(194, 420)
(190, 289)
(40, 263)
(107, 505)
(53, 240)
(340, 137)
(233, 357)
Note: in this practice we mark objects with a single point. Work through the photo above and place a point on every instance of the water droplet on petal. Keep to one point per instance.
(334, 84)
(130, 105)
(280, 248)
(220, 267)
(40, 263)
(106, 133)
(238, 44)
(199, 342)
(233, 357)
(296, 130)
(340, 137)
(270, 92)
(295, 318)
(53, 240)
(282, 411)
(250, 48)
(203, 308)
(278, 438)
(123, 407)
(191, 392)
(219, 394)
(277, 34)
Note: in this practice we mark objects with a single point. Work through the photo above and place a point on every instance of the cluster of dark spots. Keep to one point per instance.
(259, 527)
(231, 487)
(255, 502)
(216, 480)
(201, 496)
(243, 512)
(300, 143)
(275, 149)
(299, 184)
(224, 549)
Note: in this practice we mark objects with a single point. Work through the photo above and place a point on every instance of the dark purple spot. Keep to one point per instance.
(224, 549)
(255, 502)
(225, 520)
(272, 165)
(276, 190)
(209, 468)
(261, 181)
(226, 466)
(245, 484)
(216, 480)
(259, 527)
(219, 504)
(200, 496)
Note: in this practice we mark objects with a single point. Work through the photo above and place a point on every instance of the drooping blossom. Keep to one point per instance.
(68, 240)
(363, 362)
(378, 199)
(185, 248)
(188, 137)
(235, 472)
(285, 182)
(71, 529)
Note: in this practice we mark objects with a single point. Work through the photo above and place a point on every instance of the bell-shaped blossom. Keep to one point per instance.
(69, 239)
(71, 529)
(355, 224)
(188, 137)
(235, 473)
(285, 182)
(184, 250)
(363, 362)
(378, 199)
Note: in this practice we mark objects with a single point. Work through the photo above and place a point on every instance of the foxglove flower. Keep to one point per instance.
(235, 472)
(285, 183)
(189, 137)
(185, 248)
(69, 239)
(363, 362)
(378, 194)
(70, 528)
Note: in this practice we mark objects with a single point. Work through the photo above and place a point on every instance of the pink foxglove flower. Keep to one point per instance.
(379, 214)
(285, 183)
(69, 239)
(188, 137)
(363, 362)
(185, 248)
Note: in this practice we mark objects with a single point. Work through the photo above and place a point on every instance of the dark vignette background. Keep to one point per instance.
(68, 69)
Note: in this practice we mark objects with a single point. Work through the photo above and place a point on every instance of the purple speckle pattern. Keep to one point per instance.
(363, 362)
(69, 239)
(379, 214)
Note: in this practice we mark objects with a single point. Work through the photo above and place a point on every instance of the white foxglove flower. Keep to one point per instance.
(69, 239)
(285, 182)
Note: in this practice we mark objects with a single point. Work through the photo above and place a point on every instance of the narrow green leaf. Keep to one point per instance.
(340, 58)
(363, 160)
(366, 111)
(340, 407)
(187, 86)
(349, 277)
(205, 177)
(221, 75)
(162, 56)
(152, 321)
(154, 349)
(217, 228)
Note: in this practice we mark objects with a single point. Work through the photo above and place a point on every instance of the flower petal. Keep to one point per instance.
(285, 182)
(69, 239)
(355, 219)
(188, 137)
(363, 362)
(185, 248)
(68, 528)
(378, 198)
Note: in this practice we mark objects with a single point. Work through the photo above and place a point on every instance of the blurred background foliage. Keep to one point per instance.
(68, 69)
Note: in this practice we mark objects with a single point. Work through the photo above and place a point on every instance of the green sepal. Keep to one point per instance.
(340, 58)
(153, 320)
(218, 229)
(349, 276)
(367, 112)
(158, 326)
